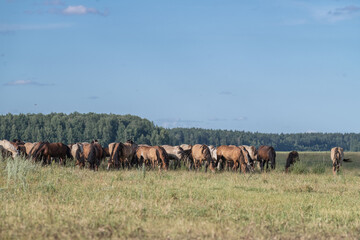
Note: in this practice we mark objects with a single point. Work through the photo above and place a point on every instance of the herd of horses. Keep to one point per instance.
(129, 154)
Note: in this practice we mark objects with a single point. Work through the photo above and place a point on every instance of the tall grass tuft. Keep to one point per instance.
(319, 168)
(17, 170)
(300, 167)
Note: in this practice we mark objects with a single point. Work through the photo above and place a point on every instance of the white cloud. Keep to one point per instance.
(26, 82)
(81, 10)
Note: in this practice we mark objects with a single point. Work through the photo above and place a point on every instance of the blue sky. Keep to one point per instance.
(267, 66)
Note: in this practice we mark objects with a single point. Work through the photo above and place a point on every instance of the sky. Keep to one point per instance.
(278, 66)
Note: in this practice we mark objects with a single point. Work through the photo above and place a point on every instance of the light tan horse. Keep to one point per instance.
(77, 152)
(337, 157)
(148, 155)
(234, 155)
(9, 147)
(201, 153)
(175, 153)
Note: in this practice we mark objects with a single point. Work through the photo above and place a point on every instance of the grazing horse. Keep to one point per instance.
(213, 153)
(128, 153)
(20, 147)
(148, 155)
(163, 157)
(92, 154)
(266, 154)
(115, 150)
(77, 153)
(9, 147)
(4, 153)
(234, 155)
(252, 152)
(175, 153)
(201, 153)
(249, 161)
(53, 150)
(337, 157)
(292, 157)
(186, 146)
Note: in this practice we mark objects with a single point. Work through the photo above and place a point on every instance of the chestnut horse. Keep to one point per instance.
(201, 153)
(266, 154)
(337, 157)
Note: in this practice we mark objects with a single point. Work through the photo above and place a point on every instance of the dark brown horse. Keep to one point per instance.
(292, 157)
(266, 154)
(53, 150)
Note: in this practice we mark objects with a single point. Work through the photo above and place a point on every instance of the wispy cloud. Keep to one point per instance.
(8, 28)
(93, 97)
(241, 118)
(217, 119)
(82, 10)
(27, 82)
(173, 123)
(344, 11)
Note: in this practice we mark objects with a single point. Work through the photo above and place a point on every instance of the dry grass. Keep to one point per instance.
(68, 203)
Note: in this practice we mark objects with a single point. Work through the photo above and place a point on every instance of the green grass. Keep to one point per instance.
(68, 203)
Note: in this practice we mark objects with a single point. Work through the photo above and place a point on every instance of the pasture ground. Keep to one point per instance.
(56, 202)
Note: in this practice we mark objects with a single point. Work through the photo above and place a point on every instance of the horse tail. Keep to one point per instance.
(116, 153)
(68, 152)
(273, 157)
(92, 155)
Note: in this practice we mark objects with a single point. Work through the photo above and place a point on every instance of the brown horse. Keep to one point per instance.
(33, 148)
(163, 157)
(115, 150)
(201, 153)
(292, 157)
(92, 154)
(266, 154)
(230, 154)
(148, 155)
(53, 150)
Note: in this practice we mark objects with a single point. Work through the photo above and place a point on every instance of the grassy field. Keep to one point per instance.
(67, 203)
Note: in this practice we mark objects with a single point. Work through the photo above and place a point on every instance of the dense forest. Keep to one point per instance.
(77, 127)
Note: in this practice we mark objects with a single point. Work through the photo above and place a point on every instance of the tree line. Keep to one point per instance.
(107, 128)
